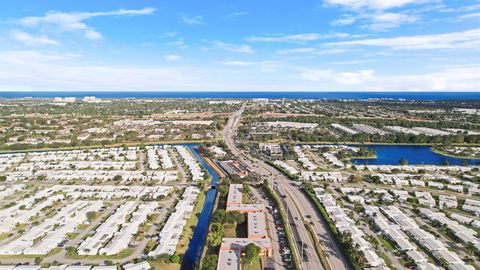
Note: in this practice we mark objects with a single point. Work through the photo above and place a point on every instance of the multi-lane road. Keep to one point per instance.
(299, 208)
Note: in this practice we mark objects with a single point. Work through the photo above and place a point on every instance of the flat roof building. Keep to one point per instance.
(229, 259)
(235, 194)
(257, 227)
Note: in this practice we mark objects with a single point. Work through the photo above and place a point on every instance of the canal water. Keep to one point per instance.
(194, 250)
(414, 154)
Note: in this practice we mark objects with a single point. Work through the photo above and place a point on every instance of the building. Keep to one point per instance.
(229, 256)
(232, 167)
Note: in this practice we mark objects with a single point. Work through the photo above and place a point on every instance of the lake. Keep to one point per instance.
(391, 155)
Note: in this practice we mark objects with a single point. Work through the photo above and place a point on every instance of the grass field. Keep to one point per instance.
(255, 265)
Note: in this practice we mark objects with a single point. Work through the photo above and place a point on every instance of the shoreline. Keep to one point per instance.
(360, 157)
(443, 153)
(377, 143)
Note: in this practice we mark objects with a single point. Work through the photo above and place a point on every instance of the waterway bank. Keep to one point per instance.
(195, 247)
(438, 151)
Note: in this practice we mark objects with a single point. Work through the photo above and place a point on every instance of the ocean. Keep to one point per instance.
(245, 95)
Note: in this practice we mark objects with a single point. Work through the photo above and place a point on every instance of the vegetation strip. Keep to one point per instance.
(331, 226)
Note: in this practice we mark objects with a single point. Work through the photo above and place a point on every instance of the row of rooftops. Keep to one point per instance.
(173, 228)
(158, 157)
(54, 230)
(191, 162)
(429, 242)
(129, 266)
(358, 128)
(345, 224)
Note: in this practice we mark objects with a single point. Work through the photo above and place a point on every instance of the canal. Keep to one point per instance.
(414, 154)
(195, 247)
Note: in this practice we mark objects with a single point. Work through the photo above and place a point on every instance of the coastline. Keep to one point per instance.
(466, 95)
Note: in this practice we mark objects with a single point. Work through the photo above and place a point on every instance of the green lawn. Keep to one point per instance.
(255, 265)
(229, 230)
(4, 236)
(123, 254)
(385, 243)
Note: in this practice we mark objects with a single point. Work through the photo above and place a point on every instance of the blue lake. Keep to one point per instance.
(194, 250)
(391, 155)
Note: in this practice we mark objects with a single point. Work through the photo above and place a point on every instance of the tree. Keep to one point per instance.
(471, 248)
(237, 217)
(214, 238)
(223, 190)
(117, 177)
(246, 189)
(91, 216)
(175, 259)
(252, 252)
(355, 178)
(71, 250)
(210, 262)
(230, 218)
(219, 216)
(403, 161)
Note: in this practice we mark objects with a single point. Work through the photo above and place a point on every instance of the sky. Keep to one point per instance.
(240, 45)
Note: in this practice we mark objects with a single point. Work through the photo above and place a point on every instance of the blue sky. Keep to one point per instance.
(244, 45)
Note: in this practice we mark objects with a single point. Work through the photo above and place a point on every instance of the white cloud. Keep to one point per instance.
(180, 43)
(376, 20)
(32, 70)
(193, 20)
(373, 4)
(33, 40)
(171, 57)
(387, 20)
(296, 51)
(373, 15)
(345, 20)
(235, 15)
(36, 71)
(342, 78)
(297, 38)
(241, 48)
(469, 39)
(263, 66)
(311, 51)
(287, 38)
(74, 22)
(470, 16)
(238, 63)
(452, 79)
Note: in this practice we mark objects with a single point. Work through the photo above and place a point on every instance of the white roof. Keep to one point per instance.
(137, 266)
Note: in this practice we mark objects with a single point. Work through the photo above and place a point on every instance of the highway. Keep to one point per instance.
(299, 208)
